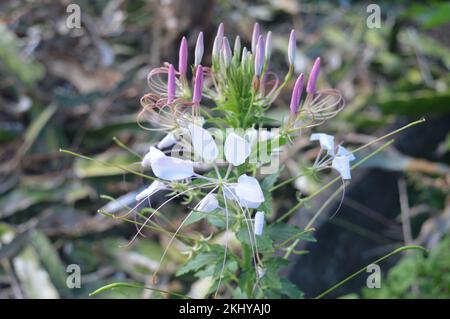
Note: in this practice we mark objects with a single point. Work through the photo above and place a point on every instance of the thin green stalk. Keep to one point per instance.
(126, 148)
(396, 251)
(129, 285)
(389, 135)
(107, 164)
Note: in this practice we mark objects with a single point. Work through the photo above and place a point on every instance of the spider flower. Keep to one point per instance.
(338, 159)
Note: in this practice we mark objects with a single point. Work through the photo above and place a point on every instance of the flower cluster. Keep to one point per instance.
(213, 126)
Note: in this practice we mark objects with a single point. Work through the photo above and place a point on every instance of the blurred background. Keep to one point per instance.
(79, 89)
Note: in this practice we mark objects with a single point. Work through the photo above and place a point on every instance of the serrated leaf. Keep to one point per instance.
(283, 231)
(264, 243)
(196, 263)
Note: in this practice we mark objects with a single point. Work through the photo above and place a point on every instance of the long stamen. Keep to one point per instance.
(162, 205)
(174, 235)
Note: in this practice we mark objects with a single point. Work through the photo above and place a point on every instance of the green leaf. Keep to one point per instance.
(290, 290)
(283, 231)
(263, 242)
(199, 261)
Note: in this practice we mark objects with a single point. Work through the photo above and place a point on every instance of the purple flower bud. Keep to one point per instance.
(220, 30)
(292, 47)
(268, 45)
(199, 48)
(296, 94)
(255, 36)
(183, 56)
(171, 84)
(311, 86)
(259, 56)
(226, 51)
(198, 85)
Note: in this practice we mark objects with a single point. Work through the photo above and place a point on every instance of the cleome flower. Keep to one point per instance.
(216, 169)
(338, 158)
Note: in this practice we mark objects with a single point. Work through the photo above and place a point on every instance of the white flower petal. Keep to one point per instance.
(167, 141)
(253, 135)
(208, 203)
(342, 165)
(249, 192)
(152, 154)
(342, 151)
(167, 167)
(203, 143)
(236, 149)
(152, 189)
(326, 141)
(259, 223)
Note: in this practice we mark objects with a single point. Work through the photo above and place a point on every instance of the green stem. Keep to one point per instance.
(129, 285)
(122, 145)
(107, 164)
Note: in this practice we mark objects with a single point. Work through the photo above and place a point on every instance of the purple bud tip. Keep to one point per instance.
(259, 56)
(292, 47)
(255, 36)
(183, 56)
(199, 48)
(268, 45)
(311, 86)
(198, 85)
(296, 94)
(220, 30)
(227, 55)
(171, 84)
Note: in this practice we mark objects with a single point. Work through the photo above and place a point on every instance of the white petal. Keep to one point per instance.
(208, 203)
(152, 154)
(169, 168)
(252, 135)
(236, 149)
(167, 141)
(249, 192)
(259, 223)
(326, 141)
(152, 189)
(342, 151)
(203, 143)
(342, 165)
